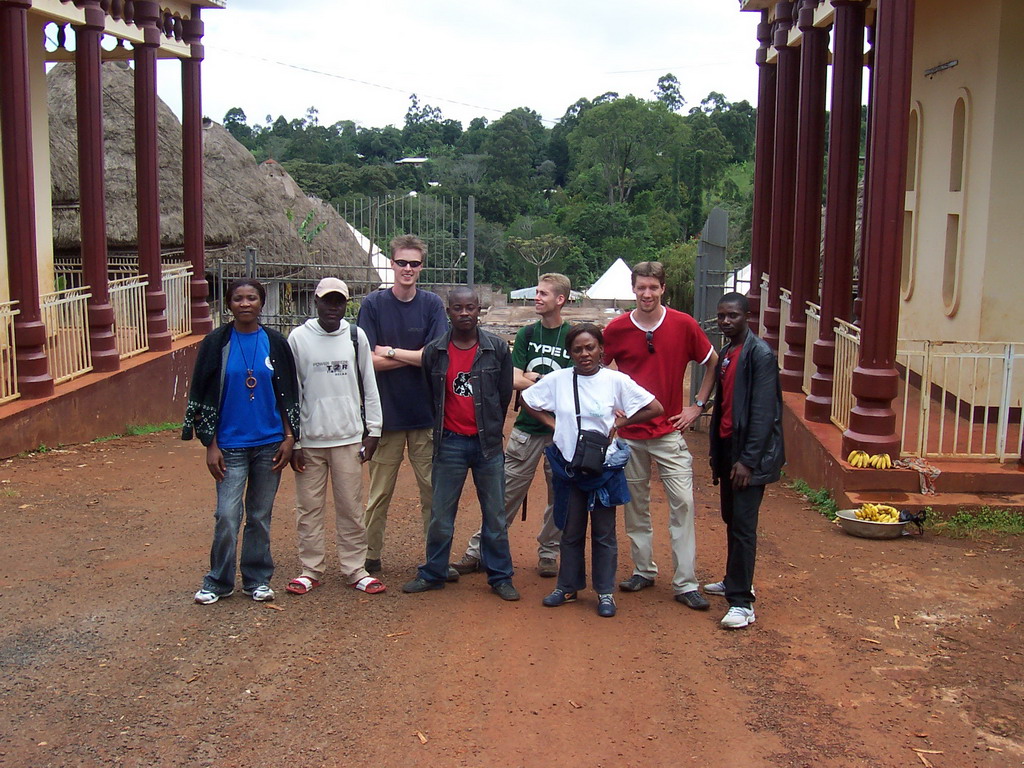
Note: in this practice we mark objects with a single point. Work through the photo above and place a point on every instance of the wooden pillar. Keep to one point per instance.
(783, 170)
(841, 198)
(34, 379)
(192, 172)
(875, 380)
(858, 302)
(147, 173)
(91, 185)
(810, 162)
(764, 151)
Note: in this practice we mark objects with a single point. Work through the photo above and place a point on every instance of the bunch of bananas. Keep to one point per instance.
(862, 459)
(878, 513)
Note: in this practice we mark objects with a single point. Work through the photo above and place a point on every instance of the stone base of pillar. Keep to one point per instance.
(202, 323)
(754, 299)
(818, 405)
(102, 341)
(159, 337)
(872, 444)
(34, 379)
(873, 420)
(791, 377)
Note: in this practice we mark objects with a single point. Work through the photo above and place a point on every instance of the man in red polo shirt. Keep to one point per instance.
(654, 344)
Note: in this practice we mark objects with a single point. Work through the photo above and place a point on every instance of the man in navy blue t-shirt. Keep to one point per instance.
(399, 321)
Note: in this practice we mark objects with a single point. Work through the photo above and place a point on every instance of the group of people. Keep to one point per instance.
(415, 377)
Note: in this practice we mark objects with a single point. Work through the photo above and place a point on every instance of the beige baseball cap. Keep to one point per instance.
(332, 285)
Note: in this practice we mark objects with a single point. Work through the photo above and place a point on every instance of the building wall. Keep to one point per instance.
(41, 152)
(936, 307)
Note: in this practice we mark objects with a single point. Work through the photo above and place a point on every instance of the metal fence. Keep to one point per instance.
(847, 357)
(8, 359)
(785, 304)
(67, 333)
(961, 399)
(813, 313)
(765, 282)
(128, 298)
(179, 300)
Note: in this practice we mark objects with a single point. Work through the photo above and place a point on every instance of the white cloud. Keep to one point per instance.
(468, 58)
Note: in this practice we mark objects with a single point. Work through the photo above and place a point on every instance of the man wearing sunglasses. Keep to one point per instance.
(654, 344)
(399, 321)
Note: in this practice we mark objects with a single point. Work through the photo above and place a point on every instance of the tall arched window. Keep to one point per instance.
(910, 206)
(952, 263)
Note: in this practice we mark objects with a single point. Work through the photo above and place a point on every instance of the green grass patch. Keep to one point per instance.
(819, 498)
(139, 429)
(968, 523)
(9, 493)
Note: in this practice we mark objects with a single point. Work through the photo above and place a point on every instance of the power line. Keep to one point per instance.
(357, 81)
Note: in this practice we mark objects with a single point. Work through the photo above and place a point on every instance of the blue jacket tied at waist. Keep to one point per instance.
(608, 489)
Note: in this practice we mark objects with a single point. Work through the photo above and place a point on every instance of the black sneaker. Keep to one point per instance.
(372, 566)
(606, 605)
(506, 591)
(420, 584)
(694, 600)
(635, 583)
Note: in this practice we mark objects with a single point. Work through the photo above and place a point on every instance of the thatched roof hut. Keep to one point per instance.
(245, 206)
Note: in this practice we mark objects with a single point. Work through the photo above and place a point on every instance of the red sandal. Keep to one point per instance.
(301, 585)
(369, 585)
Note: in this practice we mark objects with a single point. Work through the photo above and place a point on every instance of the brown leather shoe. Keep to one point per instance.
(468, 564)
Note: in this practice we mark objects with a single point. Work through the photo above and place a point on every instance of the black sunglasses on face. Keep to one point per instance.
(650, 341)
(403, 263)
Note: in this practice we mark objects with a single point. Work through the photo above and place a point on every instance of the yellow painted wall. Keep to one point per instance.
(41, 153)
(1002, 312)
(925, 314)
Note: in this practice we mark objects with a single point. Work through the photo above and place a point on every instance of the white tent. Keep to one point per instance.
(378, 260)
(615, 283)
(531, 292)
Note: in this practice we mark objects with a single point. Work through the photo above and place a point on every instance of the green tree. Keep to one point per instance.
(538, 251)
(668, 92)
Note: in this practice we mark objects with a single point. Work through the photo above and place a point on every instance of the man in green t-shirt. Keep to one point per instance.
(539, 349)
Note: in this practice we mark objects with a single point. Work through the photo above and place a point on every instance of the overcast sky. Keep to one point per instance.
(470, 59)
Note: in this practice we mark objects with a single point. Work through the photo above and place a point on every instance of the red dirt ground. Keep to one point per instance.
(865, 653)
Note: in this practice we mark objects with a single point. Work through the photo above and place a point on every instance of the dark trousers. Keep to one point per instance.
(604, 552)
(739, 512)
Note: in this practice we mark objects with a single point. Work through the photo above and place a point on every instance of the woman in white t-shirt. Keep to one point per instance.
(607, 400)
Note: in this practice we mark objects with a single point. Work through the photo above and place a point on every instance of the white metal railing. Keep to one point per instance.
(813, 313)
(764, 302)
(179, 300)
(128, 298)
(785, 303)
(958, 398)
(67, 333)
(847, 357)
(8, 359)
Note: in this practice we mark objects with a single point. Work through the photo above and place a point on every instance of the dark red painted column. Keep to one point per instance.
(841, 198)
(810, 165)
(783, 170)
(764, 155)
(869, 59)
(34, 378)
(875, 380)
(192, 172)
(147, 178)
(92, 209)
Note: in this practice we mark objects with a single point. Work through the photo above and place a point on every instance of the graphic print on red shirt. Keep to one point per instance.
(459, 408)
(676, 341)
(729, 366)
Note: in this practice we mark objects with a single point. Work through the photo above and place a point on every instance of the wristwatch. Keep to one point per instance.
(700, 403)
(390, 353)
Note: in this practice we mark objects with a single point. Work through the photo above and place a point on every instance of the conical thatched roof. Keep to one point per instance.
(244, 205)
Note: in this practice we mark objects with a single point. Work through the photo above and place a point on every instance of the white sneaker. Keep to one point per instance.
(262, 593)
(738, 618)
(206, 597)
(718, 588)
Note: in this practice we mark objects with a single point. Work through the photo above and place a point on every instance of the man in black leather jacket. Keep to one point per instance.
(747, 449)
(469, 372)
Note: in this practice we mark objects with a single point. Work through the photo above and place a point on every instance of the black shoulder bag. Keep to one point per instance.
(590, 444)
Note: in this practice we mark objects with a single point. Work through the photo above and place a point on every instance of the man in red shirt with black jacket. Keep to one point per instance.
(747, 450)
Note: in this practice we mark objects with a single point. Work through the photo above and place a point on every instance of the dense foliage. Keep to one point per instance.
(614, 177)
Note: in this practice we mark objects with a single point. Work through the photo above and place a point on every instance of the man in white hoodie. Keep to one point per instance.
(340, 418)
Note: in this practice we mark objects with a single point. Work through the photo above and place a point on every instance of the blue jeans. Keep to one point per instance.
(604, 548)
(246, 471)
(456, 455)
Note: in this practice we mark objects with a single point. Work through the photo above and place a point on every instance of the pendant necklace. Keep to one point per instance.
(250, 380)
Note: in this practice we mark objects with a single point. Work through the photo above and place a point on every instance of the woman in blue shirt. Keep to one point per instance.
(243, 404)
